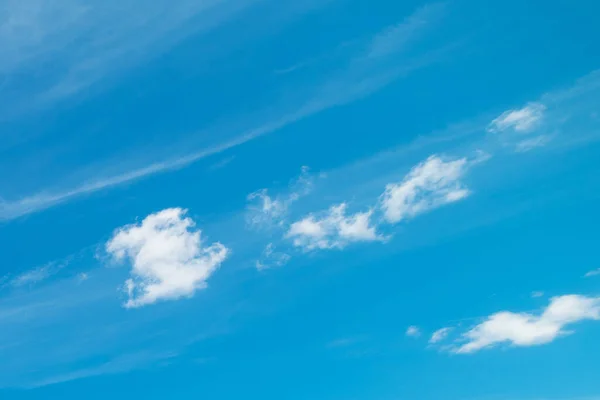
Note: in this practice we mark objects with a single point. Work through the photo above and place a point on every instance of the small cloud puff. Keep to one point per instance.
(168, 259)
(525, 329)
(334, 229)
(413, 331)
(522, 120)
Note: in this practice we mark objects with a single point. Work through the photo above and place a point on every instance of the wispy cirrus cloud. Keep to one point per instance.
(113, 36)
(594, 272)
(521, 120)
(117, 365)
(33, 276)
(531, 143)
(265, 211)
(439, 335)
(36, 275)
(380, 61)
(272, 258)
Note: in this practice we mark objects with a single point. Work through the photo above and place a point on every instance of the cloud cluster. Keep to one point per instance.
(525, 329)
(430, 184)
(168, 259)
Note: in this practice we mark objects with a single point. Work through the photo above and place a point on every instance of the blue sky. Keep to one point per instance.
(335, 199)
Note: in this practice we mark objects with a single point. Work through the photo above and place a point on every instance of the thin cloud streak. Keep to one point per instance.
(358, 81)
(113, 36)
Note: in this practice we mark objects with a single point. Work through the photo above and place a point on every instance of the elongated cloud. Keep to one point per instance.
(595, 272)
(168, 259)
(522, 120)
(531, 143)
(334, 229)
(371, 69)
(525, 329)
(429, 185)
(439, 335)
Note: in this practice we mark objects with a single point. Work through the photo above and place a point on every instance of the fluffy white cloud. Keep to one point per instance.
(524, 329)
(428, 185)
(522, 120)
(413, 331)
(334, 229)
(439, 335)
(168, 259)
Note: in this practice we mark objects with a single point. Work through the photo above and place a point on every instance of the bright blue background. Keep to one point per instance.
(531, 224)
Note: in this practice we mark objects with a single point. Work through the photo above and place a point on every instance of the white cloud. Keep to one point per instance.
(595, 272)
(31, 277)
(531, 143)
(333, 230)
(401, 35)
(524, 329)
(268, 210)
(120, 364)
(364, 74)
(38, 274)
(428, 185)
(439, 335)
(413, 331)
(522, 120)
(168, 259)
(271, 258)
(537, 294)
(265, 211)
(113, 37)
